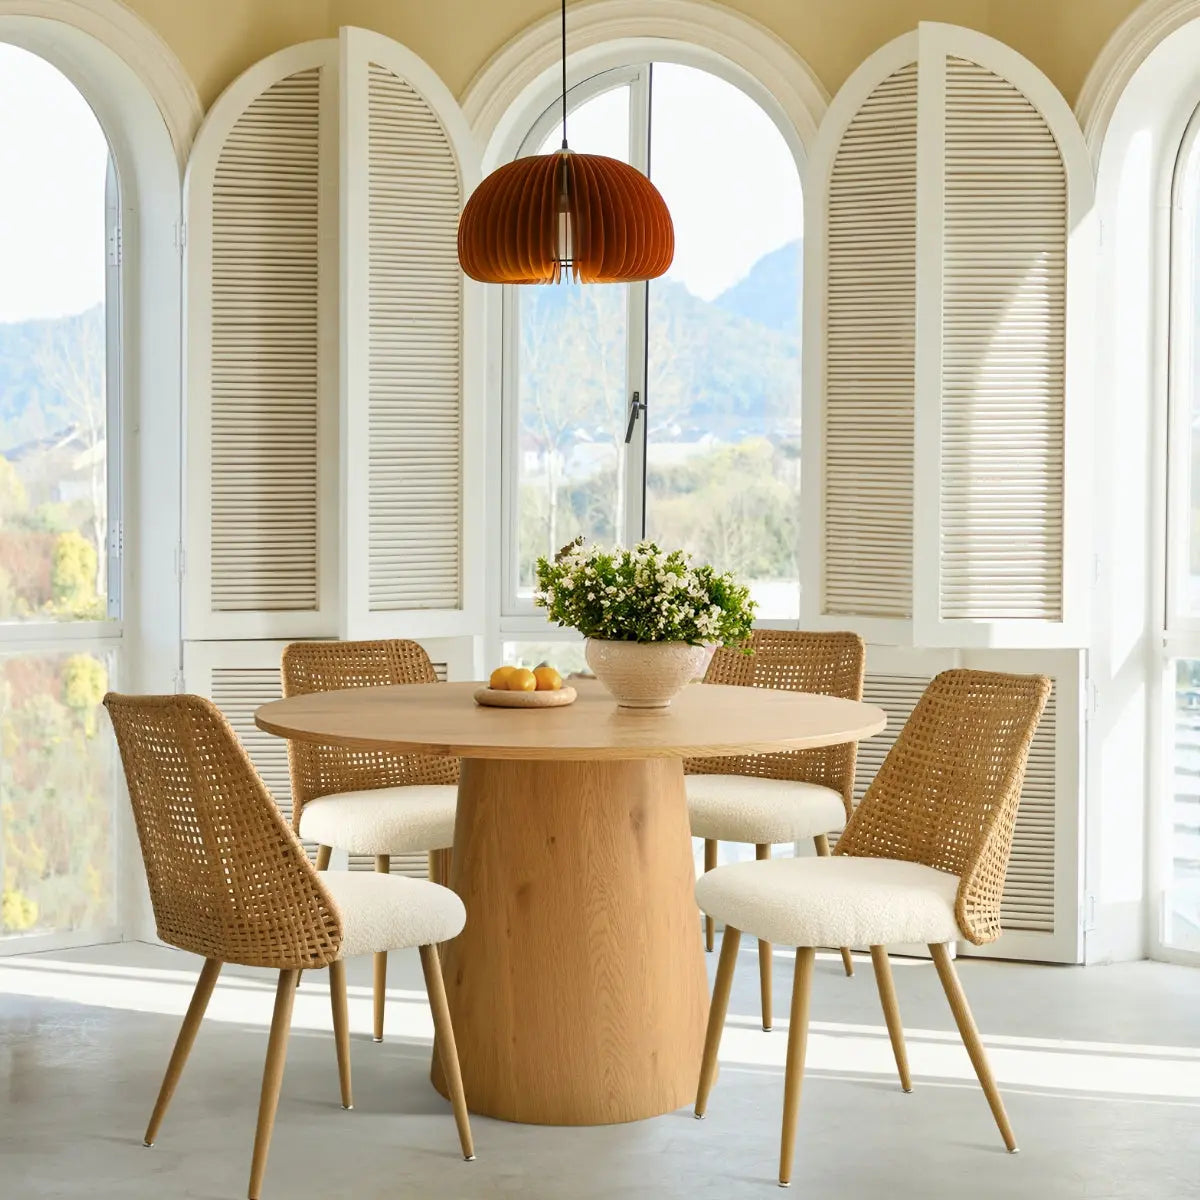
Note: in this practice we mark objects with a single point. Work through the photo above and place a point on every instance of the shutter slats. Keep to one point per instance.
(264, 351)
(869, 371)
(415, 380)
(1003, 354)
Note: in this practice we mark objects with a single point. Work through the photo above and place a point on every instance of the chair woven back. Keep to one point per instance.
(829, 664)
(228, 879)
(330, 667)
(948, 791)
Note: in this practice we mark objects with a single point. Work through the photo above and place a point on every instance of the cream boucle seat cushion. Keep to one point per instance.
(390, 912)
(832, 901)
(744, 808)
(397, 820)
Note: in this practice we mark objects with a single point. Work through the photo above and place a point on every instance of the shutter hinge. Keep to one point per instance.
(1087, 917)
(1091, 700)
(116, 540)
(181, 236)
(113, 247)
(180, 561)
(178, 683)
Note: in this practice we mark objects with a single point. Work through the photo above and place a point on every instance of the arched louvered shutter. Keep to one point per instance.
(947, 287)
(261, 397)
(409, 341)
(859, 355)
(1004, 232)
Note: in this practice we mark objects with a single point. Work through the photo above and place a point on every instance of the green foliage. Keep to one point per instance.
(56, 772)
(73, 576)
(643, 595)
(13, 498)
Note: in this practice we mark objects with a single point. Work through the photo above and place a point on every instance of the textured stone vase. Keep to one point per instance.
(645, 674)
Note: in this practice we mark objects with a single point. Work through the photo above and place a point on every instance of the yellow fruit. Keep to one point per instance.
(521, 680)
(548, 679)
(500, 678)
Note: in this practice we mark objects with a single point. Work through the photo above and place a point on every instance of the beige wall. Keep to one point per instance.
(216, 39)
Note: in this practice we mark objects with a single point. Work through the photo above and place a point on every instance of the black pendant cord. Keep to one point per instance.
(564, 72)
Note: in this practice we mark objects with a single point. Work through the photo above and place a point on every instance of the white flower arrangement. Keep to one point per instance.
(643, 595)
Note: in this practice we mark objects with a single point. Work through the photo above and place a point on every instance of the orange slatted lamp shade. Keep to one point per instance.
(537, 219)
(541, 219)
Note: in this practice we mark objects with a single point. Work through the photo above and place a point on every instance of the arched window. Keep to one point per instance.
(60, 510)
(1180, 915)
(669, 410)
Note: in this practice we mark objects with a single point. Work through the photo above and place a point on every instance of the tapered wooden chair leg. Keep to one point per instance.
(822, 843)
(383, 864)
(183, 1044)
(762, 853)
(285, 995)
(970, 1036)
(341, 1028)
(794, 1072)
(716, 1016)
(891, 1011)
(324, 854)
(710, 861)
(445, 1047)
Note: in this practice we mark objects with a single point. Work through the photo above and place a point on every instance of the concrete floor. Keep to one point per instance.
(1100, 1069)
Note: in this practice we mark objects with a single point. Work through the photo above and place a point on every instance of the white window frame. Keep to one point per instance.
(513, 619)
(1179, 634)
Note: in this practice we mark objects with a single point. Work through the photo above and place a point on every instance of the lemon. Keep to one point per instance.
(521, 680)
(548, 679)
(500, 678)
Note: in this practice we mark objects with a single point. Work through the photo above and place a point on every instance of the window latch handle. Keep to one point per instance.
(636, 407)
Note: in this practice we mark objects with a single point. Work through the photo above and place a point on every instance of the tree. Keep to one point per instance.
(71, 359)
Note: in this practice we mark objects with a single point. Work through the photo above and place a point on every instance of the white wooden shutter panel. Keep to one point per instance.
(407, 166)
(869, 382)
(1004, 265)
(261, 410)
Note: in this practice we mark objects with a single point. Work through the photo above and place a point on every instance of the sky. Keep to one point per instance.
(728, 177)
(52, 224)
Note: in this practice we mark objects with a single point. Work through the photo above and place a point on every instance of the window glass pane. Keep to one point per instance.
(1182, 917)
(723, 454)
(57, 772)
(570, 450)
(566, 656)
(53, 490)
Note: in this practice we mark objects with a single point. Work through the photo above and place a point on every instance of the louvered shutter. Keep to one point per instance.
(947, 284)
(869, 366)
(1004, 229)
(261, 398)
(410, 347)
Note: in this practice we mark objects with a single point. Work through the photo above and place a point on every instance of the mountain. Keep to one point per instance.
(770, 294)
(33, 406)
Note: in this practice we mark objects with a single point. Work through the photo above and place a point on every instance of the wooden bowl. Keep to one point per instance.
(493, 698)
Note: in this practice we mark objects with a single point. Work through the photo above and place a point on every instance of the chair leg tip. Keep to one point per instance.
(906, 1090)
(698, 1115)
(1014, 1149)
(347, 1107)
(147, 1144)
(377, 1040)
(768, 1028)
(468, 1158)
(785, 1183)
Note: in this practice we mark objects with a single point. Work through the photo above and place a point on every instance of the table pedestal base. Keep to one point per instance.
(577, 989)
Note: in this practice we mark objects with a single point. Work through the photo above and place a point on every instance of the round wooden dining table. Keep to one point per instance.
(577, 988)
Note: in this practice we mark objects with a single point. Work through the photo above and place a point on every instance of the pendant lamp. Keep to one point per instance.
(541, 218)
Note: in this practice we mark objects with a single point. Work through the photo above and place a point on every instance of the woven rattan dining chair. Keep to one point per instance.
(923, 859)
(766, 799)
(369, 801)
(230, 881)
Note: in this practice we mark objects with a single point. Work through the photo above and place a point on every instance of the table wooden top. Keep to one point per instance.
(705, 720)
